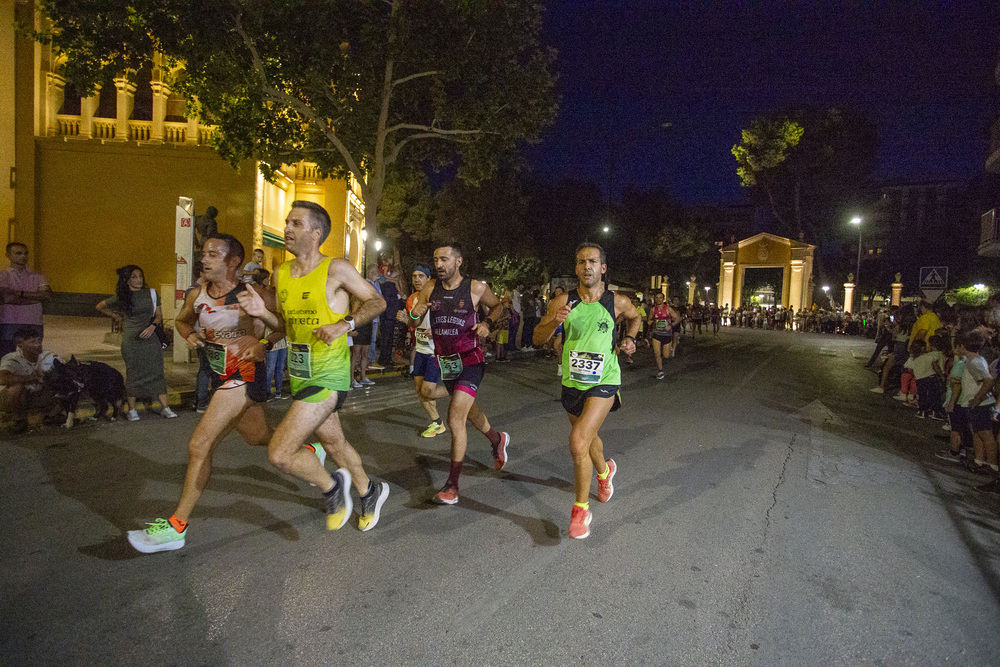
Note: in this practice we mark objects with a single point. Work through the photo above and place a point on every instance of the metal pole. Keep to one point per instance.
(857, 273)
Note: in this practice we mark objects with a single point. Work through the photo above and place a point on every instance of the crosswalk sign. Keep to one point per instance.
(933, 281)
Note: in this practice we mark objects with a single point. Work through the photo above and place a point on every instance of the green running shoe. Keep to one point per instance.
(159, 536)
(433, 429)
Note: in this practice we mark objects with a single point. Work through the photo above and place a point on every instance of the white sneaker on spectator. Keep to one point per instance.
(877, 390)
(368, 382)
(901, 397)
(356, 385)
(167, 413)
(133, 415)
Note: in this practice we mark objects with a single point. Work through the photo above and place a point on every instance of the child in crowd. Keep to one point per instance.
(926, 365)
(977, 396)
(958, 417)
(908, 380)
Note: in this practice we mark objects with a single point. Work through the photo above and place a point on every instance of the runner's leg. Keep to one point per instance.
(458, 413)
(656, 354)
(331, 436)
(224, 411)
(430, 405)
(286, 450)
(585, 446)
(253, 426)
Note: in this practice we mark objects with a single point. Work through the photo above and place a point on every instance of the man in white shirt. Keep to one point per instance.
(257, 263)
(22, 375)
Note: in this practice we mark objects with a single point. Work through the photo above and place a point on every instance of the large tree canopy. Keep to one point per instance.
(353, 86)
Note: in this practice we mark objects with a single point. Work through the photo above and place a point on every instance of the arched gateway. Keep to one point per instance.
(767, 251)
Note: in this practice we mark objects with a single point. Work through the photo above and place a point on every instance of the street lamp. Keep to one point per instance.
(378, 245)
(856, 220)
(607, 229)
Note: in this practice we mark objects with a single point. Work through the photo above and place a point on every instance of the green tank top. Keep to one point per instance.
(589, 357)
(311, 362)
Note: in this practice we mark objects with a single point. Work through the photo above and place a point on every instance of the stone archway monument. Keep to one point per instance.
(767, 251)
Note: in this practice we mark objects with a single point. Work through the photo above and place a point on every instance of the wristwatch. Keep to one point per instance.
(350, 323)
(268, 345)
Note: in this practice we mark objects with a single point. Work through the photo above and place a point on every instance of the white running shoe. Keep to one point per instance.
(356, 385)
(167, 413)
(877, 390)
(133, 415)
(368, 382)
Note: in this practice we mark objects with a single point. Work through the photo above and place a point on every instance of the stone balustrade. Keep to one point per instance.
(69, 125)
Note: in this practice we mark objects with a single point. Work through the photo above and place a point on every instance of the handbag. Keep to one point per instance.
(160, 332)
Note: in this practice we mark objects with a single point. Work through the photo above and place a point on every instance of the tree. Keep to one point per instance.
(809, 165)
(355, 87)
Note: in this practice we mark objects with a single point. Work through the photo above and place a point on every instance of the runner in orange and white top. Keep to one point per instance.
(212, 318)
(426, 373)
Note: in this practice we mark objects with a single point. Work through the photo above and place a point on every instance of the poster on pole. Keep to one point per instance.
(184, 250)
(933, 281)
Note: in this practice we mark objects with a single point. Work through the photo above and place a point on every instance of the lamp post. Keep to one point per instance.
(856, 220)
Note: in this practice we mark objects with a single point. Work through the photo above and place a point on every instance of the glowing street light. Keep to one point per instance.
(607, 229)
(856, 220)
(378, 245)
(979, 286)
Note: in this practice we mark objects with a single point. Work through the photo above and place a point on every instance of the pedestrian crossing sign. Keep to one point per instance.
(933, 281)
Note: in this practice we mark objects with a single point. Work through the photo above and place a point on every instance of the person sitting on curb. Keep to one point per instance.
(22, 386)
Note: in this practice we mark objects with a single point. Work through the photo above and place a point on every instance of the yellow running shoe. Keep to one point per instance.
(370, 505)
(339, 504)
(434, 428)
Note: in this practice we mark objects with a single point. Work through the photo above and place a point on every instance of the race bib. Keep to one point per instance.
(451, 366)
(300, 361)
(661, 325)
(423, 336)
(586, 367)
(216, 354)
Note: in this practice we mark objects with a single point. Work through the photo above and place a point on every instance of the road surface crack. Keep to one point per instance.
(774, 492)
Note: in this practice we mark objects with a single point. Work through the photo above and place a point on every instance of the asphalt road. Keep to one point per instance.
(768, 510)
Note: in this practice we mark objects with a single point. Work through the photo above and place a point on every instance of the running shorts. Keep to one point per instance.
(664, 338)
(256, 386)
(958, 419)
(573, 399)
(468, 380)
(312, 393)
(426, 366)
(363, 335)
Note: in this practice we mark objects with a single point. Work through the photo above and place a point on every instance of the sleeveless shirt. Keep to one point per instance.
(453, 322)
(662, 322)
(311, 362)
(589, 357)
(223, 322)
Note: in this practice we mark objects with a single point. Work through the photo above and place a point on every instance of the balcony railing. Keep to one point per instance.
(138, 130)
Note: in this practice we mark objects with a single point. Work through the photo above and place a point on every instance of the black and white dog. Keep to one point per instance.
(104, 385)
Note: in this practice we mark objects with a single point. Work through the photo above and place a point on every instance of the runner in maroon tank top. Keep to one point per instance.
(453, 302)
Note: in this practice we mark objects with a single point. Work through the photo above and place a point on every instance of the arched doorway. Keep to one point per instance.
(767, 251)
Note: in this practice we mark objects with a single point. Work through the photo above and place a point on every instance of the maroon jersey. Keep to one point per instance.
(453, 322)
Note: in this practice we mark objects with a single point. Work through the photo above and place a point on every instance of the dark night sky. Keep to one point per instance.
(924, 76)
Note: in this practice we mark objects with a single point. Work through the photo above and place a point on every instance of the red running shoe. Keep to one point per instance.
(447, 495)
(500, 451)
(605, 489)
(579, 523)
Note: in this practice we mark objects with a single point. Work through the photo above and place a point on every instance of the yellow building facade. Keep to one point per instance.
(94, 182)
(794, 258)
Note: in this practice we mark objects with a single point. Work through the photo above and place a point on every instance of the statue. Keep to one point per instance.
(850, 277)
(205, 227)
(899, 277)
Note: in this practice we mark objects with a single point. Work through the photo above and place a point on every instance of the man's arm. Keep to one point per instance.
(372, 304)
(269, 313)
(26, 297)
(423, 302)
(556, 314)
(985, 386)
(489, 299)
(185, 321)
(626, 309)
(7, 378)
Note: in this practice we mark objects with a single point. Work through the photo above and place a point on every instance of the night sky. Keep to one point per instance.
(924, 75)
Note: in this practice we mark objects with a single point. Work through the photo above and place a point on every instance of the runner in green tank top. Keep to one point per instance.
(591, 374)
(314, 293)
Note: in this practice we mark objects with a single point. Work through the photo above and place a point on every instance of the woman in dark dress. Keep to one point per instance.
(133, 306)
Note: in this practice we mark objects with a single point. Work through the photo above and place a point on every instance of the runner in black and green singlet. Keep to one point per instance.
(590, 372)
(314, 293)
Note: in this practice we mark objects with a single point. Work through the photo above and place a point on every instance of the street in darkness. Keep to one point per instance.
(768, 510)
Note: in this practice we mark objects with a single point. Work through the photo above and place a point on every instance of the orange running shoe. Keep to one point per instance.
(448, 495)
(579, 523)
(605, 489)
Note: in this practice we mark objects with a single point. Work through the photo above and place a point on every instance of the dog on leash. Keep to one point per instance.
(104, 385)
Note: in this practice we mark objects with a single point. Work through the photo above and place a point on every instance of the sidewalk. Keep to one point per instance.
(84, 337)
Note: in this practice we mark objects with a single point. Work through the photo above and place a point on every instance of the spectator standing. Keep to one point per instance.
(926, 324)
(274, 359)
(136, 307)
(387, 321)
(22, 293)
(22, 372)
(376, 279)
(256, 265)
